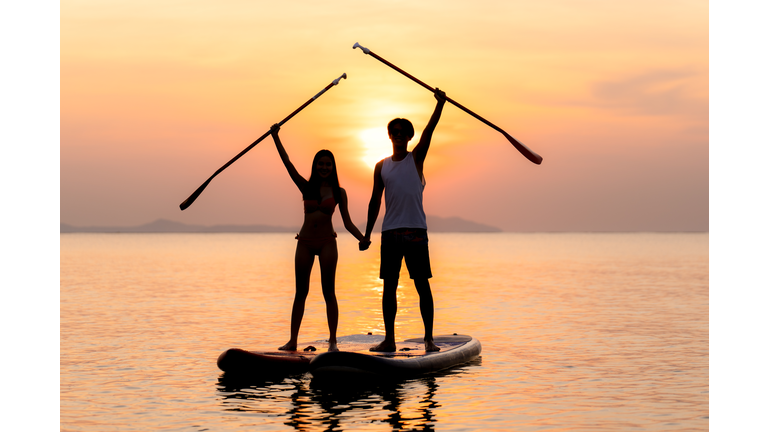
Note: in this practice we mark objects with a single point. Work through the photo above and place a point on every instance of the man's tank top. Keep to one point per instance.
(402, 194)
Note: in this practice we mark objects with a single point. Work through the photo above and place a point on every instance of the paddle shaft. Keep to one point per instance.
(188, 202)
(528, 153)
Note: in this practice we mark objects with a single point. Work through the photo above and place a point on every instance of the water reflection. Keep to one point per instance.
(340, 397)
(339, 402)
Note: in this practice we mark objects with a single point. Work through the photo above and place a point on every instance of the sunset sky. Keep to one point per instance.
(156, 96)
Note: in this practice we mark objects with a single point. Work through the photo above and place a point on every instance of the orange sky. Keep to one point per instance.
(156, 96)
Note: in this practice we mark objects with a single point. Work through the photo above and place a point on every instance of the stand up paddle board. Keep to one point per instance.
(265, 362)
(354, 356)
(409, 359)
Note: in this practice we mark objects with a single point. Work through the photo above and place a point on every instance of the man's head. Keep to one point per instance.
(400, 128)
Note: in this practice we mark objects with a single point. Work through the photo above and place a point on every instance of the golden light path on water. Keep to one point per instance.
(580, 332)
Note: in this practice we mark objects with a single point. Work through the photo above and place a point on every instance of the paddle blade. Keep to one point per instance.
(528, 153)
(188, 202)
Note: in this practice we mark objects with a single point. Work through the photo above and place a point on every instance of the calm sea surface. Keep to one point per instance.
(580, 332)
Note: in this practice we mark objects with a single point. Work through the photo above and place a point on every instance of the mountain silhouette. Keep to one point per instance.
(435, 224)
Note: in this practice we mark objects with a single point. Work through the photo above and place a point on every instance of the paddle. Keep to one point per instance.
(528, 153)
(188, 202)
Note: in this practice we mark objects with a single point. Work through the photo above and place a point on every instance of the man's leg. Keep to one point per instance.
(427, 307)
(389, 310)
(417, 260)
(391, 260)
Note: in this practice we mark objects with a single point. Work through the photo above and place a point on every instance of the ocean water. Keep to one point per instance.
(580, 332)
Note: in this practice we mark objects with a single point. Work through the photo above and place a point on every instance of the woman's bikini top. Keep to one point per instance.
(327, 206)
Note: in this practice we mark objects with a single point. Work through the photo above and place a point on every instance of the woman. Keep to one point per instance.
(321, 194)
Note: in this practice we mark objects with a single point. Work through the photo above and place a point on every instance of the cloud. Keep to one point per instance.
(659, 92)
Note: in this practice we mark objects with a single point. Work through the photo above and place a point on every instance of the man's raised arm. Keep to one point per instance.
(421, 149)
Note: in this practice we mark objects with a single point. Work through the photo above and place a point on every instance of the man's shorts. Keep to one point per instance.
(408, 243)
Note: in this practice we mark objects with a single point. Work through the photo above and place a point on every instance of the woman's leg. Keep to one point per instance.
(329, 256)
(303, 260)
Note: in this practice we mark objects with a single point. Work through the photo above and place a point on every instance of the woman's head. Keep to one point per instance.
(323, 165)
(323, 169)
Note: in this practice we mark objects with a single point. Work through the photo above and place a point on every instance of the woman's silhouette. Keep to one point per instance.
(321, 193)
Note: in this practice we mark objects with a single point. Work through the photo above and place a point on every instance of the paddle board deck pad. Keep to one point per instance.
(409, 359)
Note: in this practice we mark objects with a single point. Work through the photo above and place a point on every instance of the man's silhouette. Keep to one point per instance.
(400, 178)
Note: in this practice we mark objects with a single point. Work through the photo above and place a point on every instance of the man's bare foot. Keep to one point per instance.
(332, 347)
(385, 346)
(429, 345)
(290, 346)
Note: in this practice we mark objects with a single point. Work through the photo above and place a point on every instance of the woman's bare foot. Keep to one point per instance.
(429, 345)
(332, 347)
(385, 346)
(290, 346)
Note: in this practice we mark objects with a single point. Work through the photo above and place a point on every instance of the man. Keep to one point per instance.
(404, 228)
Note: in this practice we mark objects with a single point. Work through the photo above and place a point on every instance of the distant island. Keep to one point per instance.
(436, 224)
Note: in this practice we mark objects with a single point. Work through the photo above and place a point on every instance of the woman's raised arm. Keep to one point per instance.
(300, 181)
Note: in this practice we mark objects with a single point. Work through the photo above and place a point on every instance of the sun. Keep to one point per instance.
(376, 144)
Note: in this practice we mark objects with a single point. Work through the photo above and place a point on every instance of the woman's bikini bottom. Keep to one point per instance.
(315, 245)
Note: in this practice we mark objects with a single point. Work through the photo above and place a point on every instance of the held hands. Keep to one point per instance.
(364, 244)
